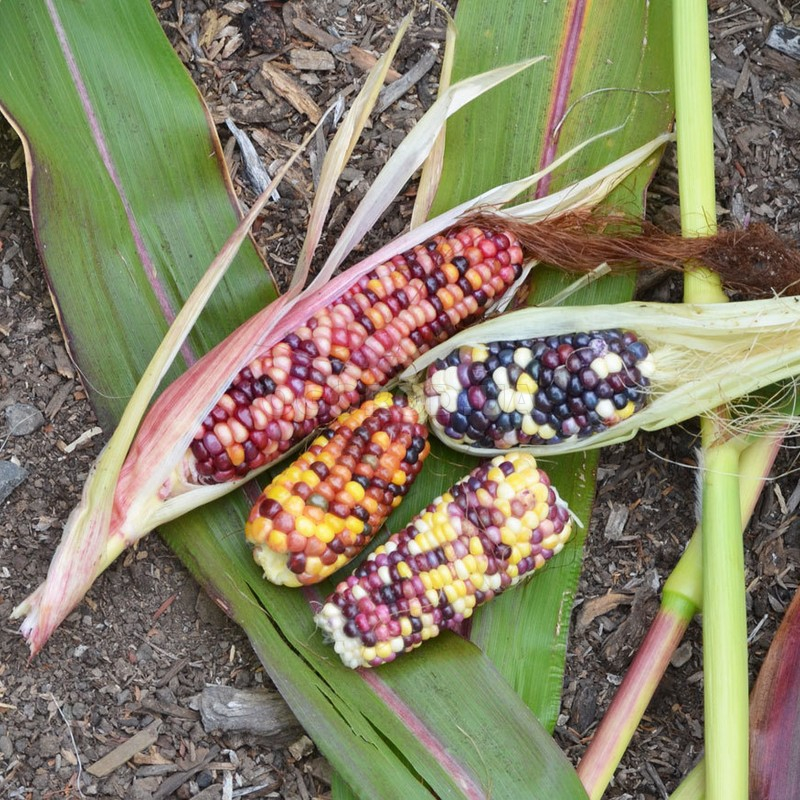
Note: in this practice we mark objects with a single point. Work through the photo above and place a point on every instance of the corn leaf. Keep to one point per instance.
(129, 209)
(144, 176)
(599, 74)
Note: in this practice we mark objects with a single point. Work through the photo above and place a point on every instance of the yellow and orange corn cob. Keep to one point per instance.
(349, 349)
(324, 509)
(492, 529)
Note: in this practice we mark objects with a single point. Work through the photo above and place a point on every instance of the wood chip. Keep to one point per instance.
(743, 80)
(311, 60)
(341, 48)
(119, 755)
(765, 8)
(64, 366)
(617, 520)
(168, 709)
(397, 89)
(213, 792)
(58, 399)
(174, 782)
(151, 759)
(785, 39)
(291, 91)
(256, 711)
(171, 672)
(81, 440)
(598, 606)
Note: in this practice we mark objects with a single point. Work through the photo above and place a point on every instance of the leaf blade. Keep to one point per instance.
(587, 51)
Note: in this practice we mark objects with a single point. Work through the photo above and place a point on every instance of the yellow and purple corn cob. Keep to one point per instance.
(492, 529)
(324, 509)
(538, 391)
(350, 348)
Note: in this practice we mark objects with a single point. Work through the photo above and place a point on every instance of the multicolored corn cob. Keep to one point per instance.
(538, 391)
(322, 511)
(350, 348)
(493, 528)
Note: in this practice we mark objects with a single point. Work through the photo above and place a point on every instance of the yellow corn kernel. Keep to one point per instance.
(398, 477)
(258, 529)
(325, 532)
(277, 541)
(311, 479)
(291, 474)
(355, 490)
(525, 383)
(334, 522)
(475, 546)
(295, 506)
(382, 439)
(304, 526)
(355, 525)
(278, 493)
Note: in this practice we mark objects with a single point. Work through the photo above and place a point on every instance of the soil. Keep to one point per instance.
(146, 641)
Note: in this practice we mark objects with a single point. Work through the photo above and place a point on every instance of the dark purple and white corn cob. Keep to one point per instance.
(538, 391)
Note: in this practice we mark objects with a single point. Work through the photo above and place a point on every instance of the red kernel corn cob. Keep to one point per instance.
(350, 348)
(322, 511)
(492, 529)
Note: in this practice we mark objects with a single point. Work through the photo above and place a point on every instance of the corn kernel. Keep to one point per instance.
(355, 490)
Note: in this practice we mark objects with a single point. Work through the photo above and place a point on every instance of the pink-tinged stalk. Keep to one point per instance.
(629, 704)
(681, 600)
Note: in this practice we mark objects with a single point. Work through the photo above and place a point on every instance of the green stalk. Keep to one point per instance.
(695, 140)
(692, 787)
(755, 464)
(724, 628)
(725, 619)
(681, 599)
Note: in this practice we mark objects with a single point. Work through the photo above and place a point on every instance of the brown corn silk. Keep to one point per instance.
(753, 260)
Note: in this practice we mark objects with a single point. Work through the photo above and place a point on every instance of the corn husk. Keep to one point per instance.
(704, 356)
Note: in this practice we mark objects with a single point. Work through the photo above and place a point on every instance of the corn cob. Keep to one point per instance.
(350, 348)
(537, 391)
(492, 529)
(322, 511)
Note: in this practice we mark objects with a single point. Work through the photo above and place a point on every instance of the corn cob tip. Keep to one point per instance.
(324, 509)
(495, 527)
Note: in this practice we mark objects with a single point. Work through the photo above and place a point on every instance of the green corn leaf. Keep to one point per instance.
(609, 64)
(130, 204)
(143, 176)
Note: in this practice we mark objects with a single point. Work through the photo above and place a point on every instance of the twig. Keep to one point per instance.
(74, 745)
